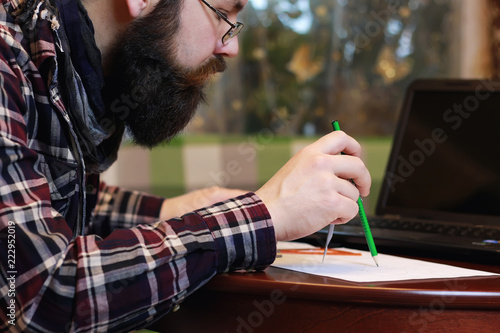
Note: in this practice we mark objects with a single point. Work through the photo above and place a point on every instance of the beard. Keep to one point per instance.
(145, 88)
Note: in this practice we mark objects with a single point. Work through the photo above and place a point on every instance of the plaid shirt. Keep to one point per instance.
(117, 269)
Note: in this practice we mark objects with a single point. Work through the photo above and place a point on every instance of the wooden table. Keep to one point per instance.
(278, 300)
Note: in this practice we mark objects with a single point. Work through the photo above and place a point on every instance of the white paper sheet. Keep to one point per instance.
(361, 268)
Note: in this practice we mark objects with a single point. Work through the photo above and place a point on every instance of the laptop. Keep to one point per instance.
(441, 188)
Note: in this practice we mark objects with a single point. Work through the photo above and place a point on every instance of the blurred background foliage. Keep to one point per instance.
(303, 63)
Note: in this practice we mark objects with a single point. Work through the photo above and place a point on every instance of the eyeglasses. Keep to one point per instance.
(235, 27)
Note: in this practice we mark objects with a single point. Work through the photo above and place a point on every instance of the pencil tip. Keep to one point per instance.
(376, 260)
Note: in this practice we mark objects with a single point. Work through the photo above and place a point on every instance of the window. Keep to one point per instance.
(303, 63)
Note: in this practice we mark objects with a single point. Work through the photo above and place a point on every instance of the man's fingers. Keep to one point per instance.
(347, 209)
(338, 142)
(347, 189)
(352, 168)
(349, 166)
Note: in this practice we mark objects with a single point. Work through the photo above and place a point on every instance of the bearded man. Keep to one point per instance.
(78, 255)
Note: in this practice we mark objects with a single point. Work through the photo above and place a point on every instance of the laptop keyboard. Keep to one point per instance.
(482, 232)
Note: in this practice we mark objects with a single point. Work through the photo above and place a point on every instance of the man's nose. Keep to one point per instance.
(230, 50)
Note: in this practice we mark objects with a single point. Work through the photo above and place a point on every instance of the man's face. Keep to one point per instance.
(201, 30)
(161, 64)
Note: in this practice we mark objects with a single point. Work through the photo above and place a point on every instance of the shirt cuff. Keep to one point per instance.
(243, 233)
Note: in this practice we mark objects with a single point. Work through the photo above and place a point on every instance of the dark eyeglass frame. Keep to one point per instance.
(235, 27)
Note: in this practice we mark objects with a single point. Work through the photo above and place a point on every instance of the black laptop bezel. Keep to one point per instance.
(433, 85)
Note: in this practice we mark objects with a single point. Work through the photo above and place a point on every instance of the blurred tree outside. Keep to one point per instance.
(303, 63)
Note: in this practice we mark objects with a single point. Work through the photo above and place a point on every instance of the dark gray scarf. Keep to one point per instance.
(80, 77)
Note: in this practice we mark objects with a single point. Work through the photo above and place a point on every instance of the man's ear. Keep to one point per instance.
(135, 7)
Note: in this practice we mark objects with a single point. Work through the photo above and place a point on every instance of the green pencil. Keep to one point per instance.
(362, 215)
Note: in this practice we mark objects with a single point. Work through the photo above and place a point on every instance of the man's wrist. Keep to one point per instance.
(243, 232)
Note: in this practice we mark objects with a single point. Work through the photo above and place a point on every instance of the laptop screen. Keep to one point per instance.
(445, 162)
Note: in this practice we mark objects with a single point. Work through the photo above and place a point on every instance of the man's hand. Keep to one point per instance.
(314, 189)
(178, 206)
